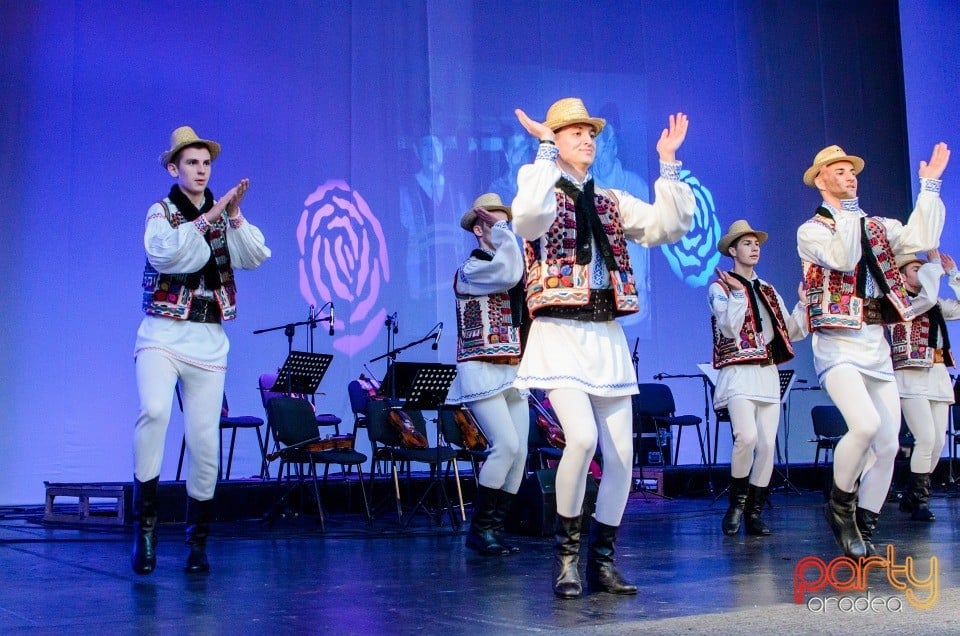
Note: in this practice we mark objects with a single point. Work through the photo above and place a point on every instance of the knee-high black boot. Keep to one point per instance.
(199, 514)
(480, 536)
(920, 494)
(738, 501)
(566, 581)
(144, 556)
(866, 524)
(840, 512)
(756, 500)
(503, 504)
(602, 574)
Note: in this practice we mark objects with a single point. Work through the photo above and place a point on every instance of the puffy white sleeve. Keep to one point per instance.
(795, 320)
(478, 277)
(950, 306)
(730, 311)
(248, 249)
(921, 232)
(174, 250)
(839, 250)
(534, 207)
(665, 220)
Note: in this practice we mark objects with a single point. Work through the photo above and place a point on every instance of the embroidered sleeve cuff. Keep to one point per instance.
(201, 223)
(930, 185)
(547, 152)
(502, 225)
(670, 171)
(738, 293)
(236, 221)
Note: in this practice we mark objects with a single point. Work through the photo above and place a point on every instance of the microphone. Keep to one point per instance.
(331, 318)
(659, 376)
(391, 321)
(436, 337)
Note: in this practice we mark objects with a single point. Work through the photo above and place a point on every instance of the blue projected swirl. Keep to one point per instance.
(694, 256)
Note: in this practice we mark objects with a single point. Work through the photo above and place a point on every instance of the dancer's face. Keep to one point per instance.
(746, 251)
(911, 275)
(577, 146)
(838, 179)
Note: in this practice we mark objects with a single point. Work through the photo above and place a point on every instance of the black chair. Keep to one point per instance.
(231, 423)
(655, 405)
(452, 436)
(828, 427)
(387, 447)
(295, 426)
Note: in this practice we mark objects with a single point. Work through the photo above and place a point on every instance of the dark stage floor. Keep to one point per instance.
(360, 579)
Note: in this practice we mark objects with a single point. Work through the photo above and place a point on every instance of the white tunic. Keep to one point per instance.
(931, 383)
(590, 356)
(477, 379)
(174, 250)
(760, 383)
(866, 349)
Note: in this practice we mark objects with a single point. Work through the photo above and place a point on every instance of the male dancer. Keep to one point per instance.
(188, 289)
(579, 279)
(853, 287)
(489, 292)
(752, 330)
(921, 354)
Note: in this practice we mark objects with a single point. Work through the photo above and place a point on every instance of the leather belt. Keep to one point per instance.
(204, 310)
(601, 308)
(872, 315)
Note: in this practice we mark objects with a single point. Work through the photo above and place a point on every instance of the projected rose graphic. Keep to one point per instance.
(343, 259)
(693, 257)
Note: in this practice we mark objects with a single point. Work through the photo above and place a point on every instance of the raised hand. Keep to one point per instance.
(233, 207)
(214, 213)
(802, 293)
(949, 265)
(939, 159)
(485, 216)
(729, 280)
(533, 127)
(672, 138)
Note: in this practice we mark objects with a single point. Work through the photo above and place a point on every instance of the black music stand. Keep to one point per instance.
(302, 372)
(787, 378)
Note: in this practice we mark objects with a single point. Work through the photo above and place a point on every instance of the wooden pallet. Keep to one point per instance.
(83, 493)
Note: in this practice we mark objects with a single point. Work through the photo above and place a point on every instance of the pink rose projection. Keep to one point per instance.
(343, 258)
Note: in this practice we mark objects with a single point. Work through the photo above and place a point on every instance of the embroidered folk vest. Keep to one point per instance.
(485, 327)
(749, 346)
(835, 300)
(912, 346)
(554, 279)
(167, 294)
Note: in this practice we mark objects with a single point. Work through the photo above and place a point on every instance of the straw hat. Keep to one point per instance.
(737, 229)
(569, 111)
(185, 136)
(830, 154)
(902, 260)
(490, 202)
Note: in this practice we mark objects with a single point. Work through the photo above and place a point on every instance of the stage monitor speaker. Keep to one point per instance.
(534, 511)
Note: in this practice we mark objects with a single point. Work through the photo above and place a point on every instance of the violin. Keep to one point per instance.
(331, 442)
(547, 423)
(370, 385)
(470, 432)
(410, 437)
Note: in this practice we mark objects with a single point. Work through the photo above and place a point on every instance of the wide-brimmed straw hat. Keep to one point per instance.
(830, 154)
(569, 111)
(903, 260)
(737, 229)
(490, 202)
(185, 136)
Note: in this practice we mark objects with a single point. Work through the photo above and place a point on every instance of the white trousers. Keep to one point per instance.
(505, 420)
(927, 420)
(585, 418)
(754, 439)
(202, 392)
(871, 409)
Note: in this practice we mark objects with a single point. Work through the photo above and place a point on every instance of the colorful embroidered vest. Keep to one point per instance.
(485, 327)
(835, 299)
(910, 345)
(749, 347)
(167, 294)
(554, 279)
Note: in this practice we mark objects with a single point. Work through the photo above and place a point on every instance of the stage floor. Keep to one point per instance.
(360, 579)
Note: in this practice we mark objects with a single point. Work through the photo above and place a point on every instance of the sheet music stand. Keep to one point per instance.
(302, 372)
(787, 378)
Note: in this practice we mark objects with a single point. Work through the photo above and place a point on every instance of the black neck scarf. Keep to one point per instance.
(588, 224)
(753, 291)
(209, 272)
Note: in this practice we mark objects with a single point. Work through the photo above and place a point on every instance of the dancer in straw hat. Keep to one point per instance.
(851, 292)
(579, 279)
(193, 243)
(752, 331)
(921, 355)
(489, 292)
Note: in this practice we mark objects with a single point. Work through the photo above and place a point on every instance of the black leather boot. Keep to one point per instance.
(840, 512)
(921, 498)
(866, 524)
(566, 545)
(602, 574)
(756, 500)
(144, 556)
(738, 501)
(500, 510)
(199, 514)
(480, 536)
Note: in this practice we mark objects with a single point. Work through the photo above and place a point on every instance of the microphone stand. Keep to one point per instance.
(706, 414)
(391, 356)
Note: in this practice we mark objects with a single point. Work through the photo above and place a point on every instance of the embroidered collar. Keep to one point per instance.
(847, 205)
(572, 179)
